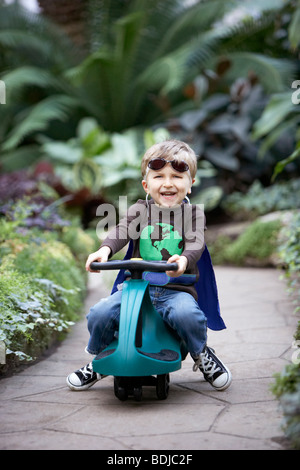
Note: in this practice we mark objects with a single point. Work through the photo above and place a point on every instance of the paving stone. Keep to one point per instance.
(38, 411)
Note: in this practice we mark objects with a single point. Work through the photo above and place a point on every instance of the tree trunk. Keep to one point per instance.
(70, 15)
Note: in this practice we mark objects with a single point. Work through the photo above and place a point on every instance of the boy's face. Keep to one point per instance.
(167, 187)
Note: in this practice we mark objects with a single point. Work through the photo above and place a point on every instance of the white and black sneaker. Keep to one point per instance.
(214, 371)
(83, 378)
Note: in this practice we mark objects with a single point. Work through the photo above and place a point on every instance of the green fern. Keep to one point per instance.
(37, 118)
(143, 55)
(157, 48)
(17, 81)
(274, 74)
(33, 40)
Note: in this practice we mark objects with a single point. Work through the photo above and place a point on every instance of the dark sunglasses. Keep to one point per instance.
(159, 163)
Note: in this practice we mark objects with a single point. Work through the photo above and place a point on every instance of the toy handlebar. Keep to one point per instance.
(135, 266)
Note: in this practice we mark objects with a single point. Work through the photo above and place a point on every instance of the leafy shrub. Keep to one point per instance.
(41, 291)
(80, 242)
(287, 390)
(36, 186)
(32, 213)
(287, 384)
(100, 162)
(218, 247)
(260, 200)
(220, 131)
(42, 281)
(258, 241)
(53, 262)
(37, 299)
(31, 208)
(289, 252)
(255, 245)
(28, 312)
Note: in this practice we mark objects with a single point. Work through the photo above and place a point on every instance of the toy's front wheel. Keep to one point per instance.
(162, 386)
(120, 391)
(125, 386)
(137, 393)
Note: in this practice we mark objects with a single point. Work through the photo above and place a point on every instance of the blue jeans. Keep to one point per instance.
(178, 309)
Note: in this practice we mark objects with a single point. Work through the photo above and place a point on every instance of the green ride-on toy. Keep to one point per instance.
(146, 349)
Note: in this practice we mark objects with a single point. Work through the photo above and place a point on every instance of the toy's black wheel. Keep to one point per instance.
(162, 386)
(120, 392)
(137, 393)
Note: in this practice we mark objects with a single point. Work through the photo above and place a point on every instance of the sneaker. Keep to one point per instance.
(83, 378)
(213, 369)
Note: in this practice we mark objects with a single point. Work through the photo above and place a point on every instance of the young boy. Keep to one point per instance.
(165, 228)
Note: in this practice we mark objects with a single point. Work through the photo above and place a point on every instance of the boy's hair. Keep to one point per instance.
(171, 150)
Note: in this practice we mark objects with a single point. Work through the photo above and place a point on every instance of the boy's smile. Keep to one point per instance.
(167, 187)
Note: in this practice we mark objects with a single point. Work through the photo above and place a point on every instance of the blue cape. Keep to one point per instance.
(206, 288)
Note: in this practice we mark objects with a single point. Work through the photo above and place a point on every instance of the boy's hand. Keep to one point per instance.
(101, 256)
(182, 264)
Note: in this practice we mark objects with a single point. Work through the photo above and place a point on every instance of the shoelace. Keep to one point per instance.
(87, 371)
(206, 365)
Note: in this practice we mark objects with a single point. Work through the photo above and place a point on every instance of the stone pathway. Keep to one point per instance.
(38, 411)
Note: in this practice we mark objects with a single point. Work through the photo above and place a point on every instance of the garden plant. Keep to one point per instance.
(83, 103)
